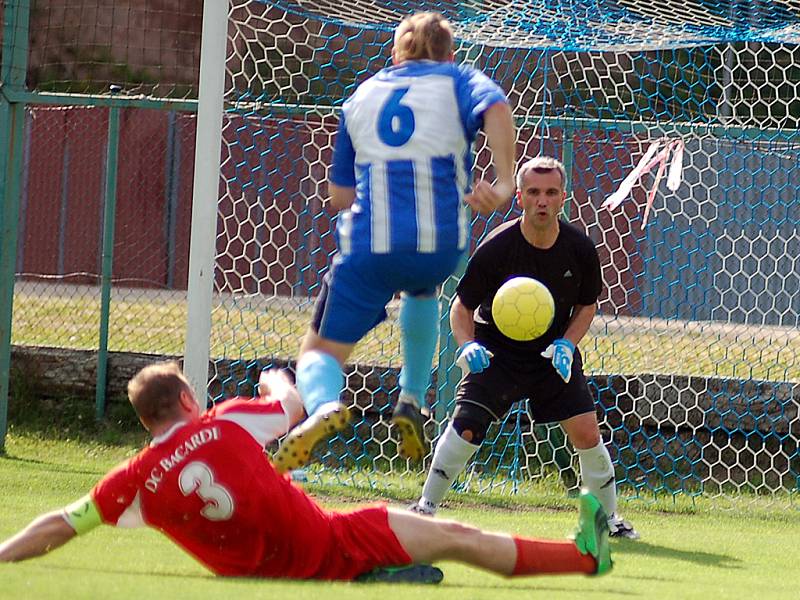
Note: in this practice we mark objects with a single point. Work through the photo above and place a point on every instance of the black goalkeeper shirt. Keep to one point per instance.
(570, 269)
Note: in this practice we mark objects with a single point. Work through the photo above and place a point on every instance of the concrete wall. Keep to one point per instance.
(690, 432)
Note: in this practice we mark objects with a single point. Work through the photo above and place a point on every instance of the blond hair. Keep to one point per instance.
(421, 36)
(155, 392)
(542, 164)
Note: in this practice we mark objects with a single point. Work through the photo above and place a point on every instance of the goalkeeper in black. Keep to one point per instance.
(548, 370)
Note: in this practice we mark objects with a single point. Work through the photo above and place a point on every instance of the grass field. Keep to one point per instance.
(704, 555)
(68, 316)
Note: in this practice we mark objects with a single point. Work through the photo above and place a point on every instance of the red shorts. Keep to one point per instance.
(363, 541)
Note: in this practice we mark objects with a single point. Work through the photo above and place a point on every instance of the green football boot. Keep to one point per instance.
(591, 537)
(427, 574)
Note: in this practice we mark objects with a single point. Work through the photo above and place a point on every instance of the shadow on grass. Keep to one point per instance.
(720, 561)
(532, 584)
(128, 572)
(43, 465)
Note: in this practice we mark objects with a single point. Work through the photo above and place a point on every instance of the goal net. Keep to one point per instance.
(678, 124)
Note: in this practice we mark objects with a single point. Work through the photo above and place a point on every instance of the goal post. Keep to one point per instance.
(678, 123)
(205, 194)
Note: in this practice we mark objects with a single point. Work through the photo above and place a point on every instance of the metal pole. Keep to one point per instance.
(109, 216)
(23, 195)
(63, 213)
(567, 159)
(205, 195)
(173, 175)
(12, 120)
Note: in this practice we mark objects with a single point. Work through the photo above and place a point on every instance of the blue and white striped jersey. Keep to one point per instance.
(405, 143)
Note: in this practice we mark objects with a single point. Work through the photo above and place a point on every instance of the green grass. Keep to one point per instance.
(68, 316)
(707, 554)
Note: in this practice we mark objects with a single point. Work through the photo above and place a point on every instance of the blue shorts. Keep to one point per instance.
(358, 287)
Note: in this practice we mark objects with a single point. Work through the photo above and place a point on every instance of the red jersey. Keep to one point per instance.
(210, 487)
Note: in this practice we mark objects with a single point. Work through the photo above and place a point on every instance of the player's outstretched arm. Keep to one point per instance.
(341, 197)
(274, 384)
(45, 533)
(461, 322)
(561, 352)
(579, 323)
(498, 125)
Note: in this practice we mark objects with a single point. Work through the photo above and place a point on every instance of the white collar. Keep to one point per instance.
(160, 439)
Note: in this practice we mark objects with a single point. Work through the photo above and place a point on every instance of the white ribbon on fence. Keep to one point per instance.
(657, 154)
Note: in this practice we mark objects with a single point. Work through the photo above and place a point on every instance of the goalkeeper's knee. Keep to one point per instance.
(472, 422)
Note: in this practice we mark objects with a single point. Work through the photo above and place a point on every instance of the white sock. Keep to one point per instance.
(597, 475)
(449, 459)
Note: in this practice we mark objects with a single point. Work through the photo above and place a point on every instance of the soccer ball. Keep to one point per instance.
(523, 308)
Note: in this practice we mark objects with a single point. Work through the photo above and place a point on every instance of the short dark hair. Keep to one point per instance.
(155, 392)
(542, 164)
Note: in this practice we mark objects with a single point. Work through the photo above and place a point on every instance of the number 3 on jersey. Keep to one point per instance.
(196, 478)
(396, 122)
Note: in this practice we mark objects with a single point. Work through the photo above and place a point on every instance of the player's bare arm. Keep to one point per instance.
(51, 530)
(341, 197)
(498, 125)
(275, 384)
(45, 533)
(461, 322)
(582, 316)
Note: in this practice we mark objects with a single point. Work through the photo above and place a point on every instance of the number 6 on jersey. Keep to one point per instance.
(396, 122)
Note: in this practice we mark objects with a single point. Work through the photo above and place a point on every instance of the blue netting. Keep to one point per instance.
(694, 357)
(583, 24)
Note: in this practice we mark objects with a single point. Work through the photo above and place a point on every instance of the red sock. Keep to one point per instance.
(536, 557)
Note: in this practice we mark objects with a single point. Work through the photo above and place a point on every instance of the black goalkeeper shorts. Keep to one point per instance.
(504, 382)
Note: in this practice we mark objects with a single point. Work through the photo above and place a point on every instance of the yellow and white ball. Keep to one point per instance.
(523, 308)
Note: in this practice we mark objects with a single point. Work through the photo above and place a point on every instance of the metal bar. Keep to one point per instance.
(205, 194)
(16, 19)
(23, 196)
(173, 175)
(6, 298)
(63, 213)
(567, 159)
(534, 121)
(288, 110)
(52, 99)
(109, 216)
(12, 120)
(634, 127)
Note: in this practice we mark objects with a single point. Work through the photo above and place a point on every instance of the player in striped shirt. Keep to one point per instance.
(401, 177)
(207, 484)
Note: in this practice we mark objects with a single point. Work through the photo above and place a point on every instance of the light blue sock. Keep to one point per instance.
(319, 380)
(419, 326)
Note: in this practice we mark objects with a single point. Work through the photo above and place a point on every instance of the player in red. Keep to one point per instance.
(206, 483)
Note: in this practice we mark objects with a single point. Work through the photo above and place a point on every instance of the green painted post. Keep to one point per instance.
(12, 118)
(567, 158)
(553, 433)
(109, 216)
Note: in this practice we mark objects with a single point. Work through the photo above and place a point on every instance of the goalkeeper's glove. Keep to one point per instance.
(560, 352)
(473, 356)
